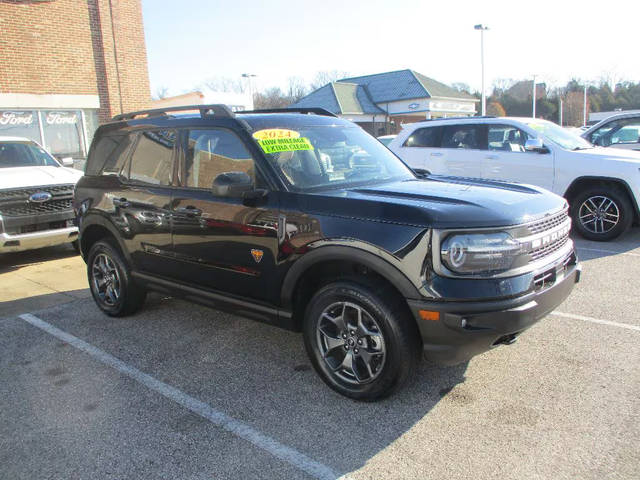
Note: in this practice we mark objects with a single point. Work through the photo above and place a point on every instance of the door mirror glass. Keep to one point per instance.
(232, 184)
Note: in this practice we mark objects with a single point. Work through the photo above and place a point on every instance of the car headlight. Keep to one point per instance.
(480, 252)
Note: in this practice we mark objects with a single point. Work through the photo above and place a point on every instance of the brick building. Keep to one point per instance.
(66, 66)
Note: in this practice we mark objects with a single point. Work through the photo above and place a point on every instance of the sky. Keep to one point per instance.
(192, 40)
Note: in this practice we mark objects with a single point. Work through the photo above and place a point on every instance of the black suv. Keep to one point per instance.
(304, 221)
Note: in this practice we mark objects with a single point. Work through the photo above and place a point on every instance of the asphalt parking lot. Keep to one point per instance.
(182, 391)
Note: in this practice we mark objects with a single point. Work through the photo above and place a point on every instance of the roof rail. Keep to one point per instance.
(462, 117)
(205, 110)
(314, 110)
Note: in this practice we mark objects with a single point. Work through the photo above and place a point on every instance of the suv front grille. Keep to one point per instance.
(540, 252)
(15, 202)
(547, 223)
(25, 209)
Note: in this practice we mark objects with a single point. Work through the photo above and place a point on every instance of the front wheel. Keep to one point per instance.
(601, 213)
(363, 345)
(110, 281)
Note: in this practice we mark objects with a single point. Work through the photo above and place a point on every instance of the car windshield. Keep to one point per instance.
(559, 136)
(24, 154)
(320, 157)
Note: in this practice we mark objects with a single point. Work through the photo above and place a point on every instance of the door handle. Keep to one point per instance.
(492, 157)
(436, 154)
(121, 202)
(190, 211)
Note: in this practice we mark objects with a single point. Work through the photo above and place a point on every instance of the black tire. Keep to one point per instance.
(608, 203)
(130, 297)
(397, 337)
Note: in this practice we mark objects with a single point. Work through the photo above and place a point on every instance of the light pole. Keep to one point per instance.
(533, 101)
(584, 107)
(248, 76)
(482, 28)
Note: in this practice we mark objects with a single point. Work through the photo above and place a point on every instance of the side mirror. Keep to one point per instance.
(232, 184)
(535, 145)
(67, 161)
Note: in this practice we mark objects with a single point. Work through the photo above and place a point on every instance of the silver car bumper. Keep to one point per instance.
(29, 241)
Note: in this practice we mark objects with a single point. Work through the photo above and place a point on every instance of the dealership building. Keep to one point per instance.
(68, 65)
(382, 102)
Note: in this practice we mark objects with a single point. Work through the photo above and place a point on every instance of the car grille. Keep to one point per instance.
(36, 208)
(547, 236)
(15, 203)
(547, 223)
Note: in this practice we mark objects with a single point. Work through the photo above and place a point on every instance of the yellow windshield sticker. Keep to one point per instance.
(275, 145)
(274, 140)
(275, 133)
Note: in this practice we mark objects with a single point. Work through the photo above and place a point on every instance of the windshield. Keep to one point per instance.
(23, 154)
(559, 136)
(328, 156)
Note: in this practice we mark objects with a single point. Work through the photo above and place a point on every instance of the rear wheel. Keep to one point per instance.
(601, 213)
(362, 344)
(110, 281)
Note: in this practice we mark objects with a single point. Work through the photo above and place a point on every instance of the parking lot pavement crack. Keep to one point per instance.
(240, 429)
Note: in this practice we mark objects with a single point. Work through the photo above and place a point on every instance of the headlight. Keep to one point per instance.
(480, 252)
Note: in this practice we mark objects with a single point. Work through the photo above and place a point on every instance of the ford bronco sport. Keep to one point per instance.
(304, 221)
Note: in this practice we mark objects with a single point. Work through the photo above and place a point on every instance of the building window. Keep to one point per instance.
(63, 135)
(20, 124)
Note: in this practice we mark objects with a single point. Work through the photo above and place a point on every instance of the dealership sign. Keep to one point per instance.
(16, 118)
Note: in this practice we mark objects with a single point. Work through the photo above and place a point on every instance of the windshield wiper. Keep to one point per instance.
(581, 148)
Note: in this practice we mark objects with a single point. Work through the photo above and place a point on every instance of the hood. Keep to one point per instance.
(441, 202)
(611, 153)
(19, 177)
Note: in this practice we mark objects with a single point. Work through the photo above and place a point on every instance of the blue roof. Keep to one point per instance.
(324, 97)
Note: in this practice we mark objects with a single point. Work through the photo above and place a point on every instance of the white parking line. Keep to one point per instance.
(218, 418)
(597, 320)
(603, 250)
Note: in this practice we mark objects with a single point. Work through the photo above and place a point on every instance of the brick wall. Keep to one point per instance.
(90, 47)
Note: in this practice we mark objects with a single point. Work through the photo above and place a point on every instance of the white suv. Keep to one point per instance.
(36, 194)
(602, 185)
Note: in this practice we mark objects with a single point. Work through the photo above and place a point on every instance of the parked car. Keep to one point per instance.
(601, 185)
(386, 139)
(35, 197)
(619, 131)
(370, 262)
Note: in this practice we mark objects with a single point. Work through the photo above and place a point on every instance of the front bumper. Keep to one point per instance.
(466, 329)
(29, 241)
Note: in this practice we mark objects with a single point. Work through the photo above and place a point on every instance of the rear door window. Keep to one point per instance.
(152, 158)
(424, 137)
(467, 137)
(108, 155)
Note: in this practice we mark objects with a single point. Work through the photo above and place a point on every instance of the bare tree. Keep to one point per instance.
(224, 84)
(461, 87)
(270, 98)
(327, 76)
(296, 90)
(161, 92)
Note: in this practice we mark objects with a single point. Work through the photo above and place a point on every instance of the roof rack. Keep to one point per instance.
(314, 110)
(205, 110)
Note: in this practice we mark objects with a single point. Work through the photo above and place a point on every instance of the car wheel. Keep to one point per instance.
(601, 213)
(363, 345)
(110, 281)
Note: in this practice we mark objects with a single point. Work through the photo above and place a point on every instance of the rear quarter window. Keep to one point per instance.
(108, 155)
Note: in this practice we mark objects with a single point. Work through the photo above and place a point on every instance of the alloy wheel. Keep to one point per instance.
(599, 214)
(351, 342)
(106, 279)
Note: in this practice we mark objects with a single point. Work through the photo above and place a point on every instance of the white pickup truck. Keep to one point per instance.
(36, 194)
(602, 185)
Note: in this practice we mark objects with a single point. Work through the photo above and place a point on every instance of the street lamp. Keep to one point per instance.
(248, 76)
(482, 28)
(533, 98)
(584, 107)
